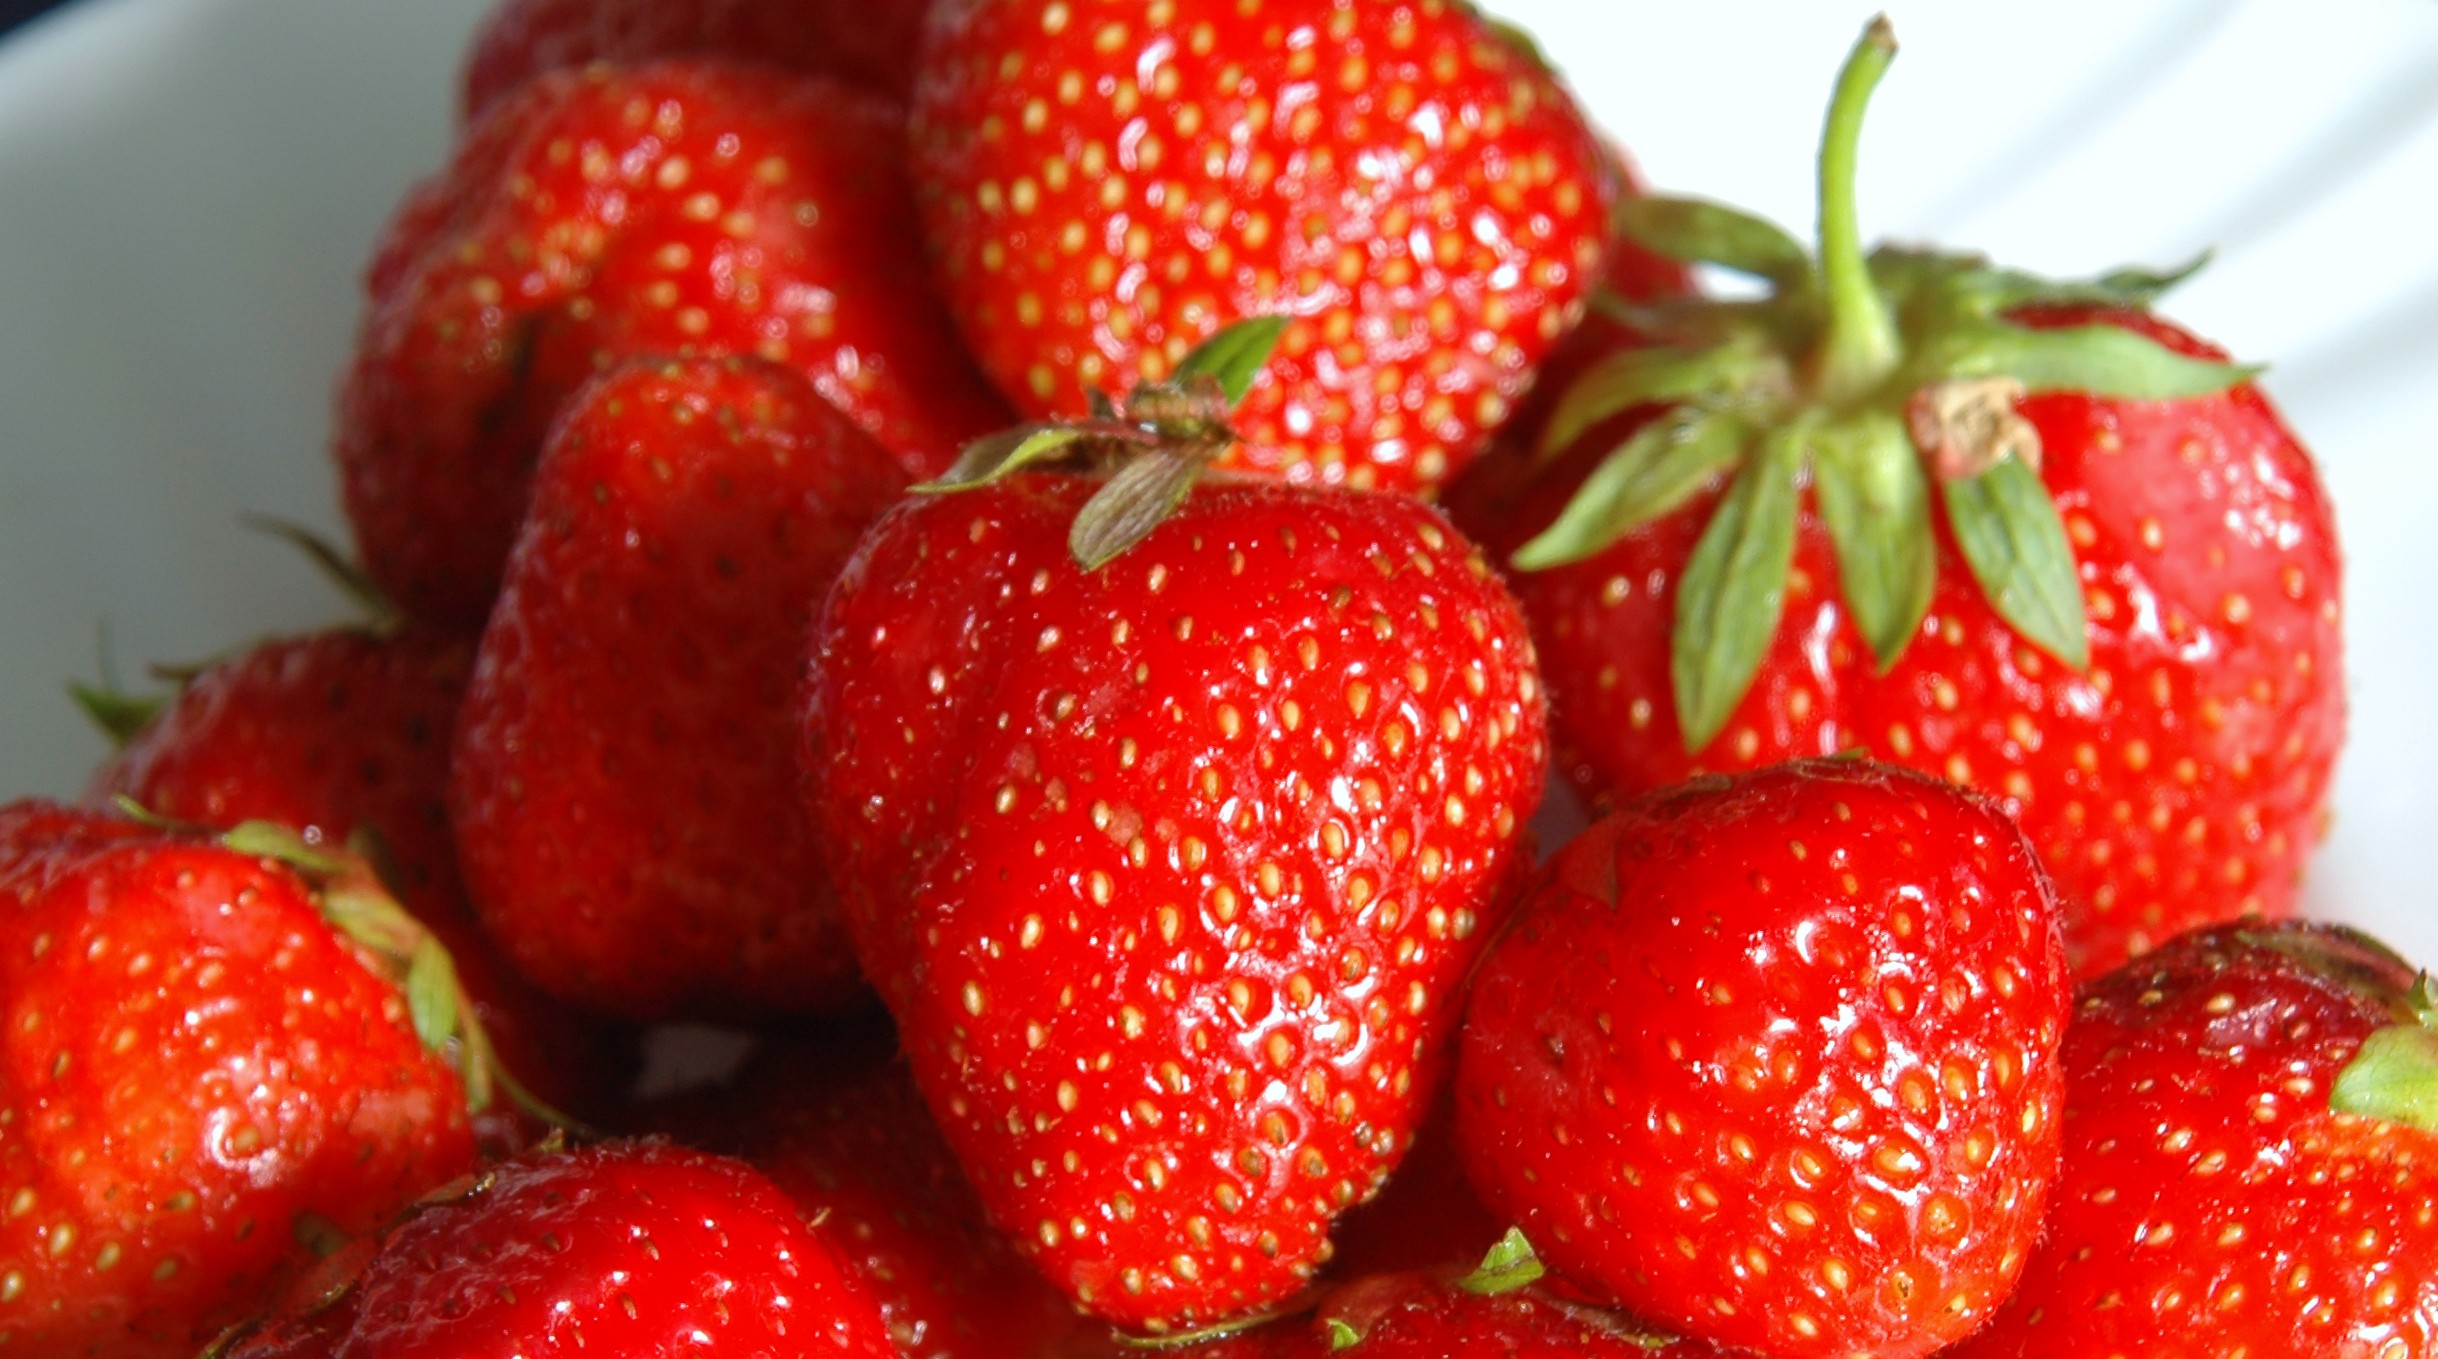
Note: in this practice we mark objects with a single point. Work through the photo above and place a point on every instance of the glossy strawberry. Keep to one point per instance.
(2020, 535)
(1106, 185)
(343, 733)
(624, 782)
(849, 1140)
(201, 1080)
(1172, 870)
(1773, 1061)
(684, 208)
(2249, 1158)
(870, 46)
(616, 1249)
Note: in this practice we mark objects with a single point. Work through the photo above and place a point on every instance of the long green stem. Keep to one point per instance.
(1861, 347)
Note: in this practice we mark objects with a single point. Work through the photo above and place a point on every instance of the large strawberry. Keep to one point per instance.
(1171, 867)
(2020, 535)
(2250, 1158)
(1773, 1061)
(683, 208)
(343, 736)
(622, 1249)
(868, 45)
(1106, 185)
(210, 1066)
(624, 782)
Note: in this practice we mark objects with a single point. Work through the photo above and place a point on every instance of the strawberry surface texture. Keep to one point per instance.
(1172, 871)
(1107, 184)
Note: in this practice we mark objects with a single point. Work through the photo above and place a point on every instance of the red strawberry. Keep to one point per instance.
(1172, 869)
(682, 208)
(2123, 621)
(1452, 1314)
(1106, 185)
(201, 1080)
(851, 1143)
(1773, 1061)
(625, 780)
(638, 1249)
(344, 732)
(871, 46)
(2250, 1159)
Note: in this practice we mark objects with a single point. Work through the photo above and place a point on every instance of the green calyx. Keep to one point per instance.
(349, 887)
(1886, 382)
(1509, 1266)
(1154, 445)
(2395, 1074)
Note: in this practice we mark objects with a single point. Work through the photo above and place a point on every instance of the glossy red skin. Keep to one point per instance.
(1174, 869)
(624, 777)
(2179, 780)
(747, 212)
(342, 730)
(1424, 1315)
(851, 1143)
(1773, 1061)
(616, 1249)
(1197, 162)
(870, 46)
(2211, 1203)
(191, 1061)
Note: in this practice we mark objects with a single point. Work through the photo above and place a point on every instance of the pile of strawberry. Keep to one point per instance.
(909, 528)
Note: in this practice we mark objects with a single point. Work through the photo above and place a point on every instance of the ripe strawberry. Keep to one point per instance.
(1106, 185)
(1448, 1313)
(1171, 869)
(2123, 623)
(869, 46)
(851, 1143)
(2249, 1158)
(346, 732)
(618, 1249)
(202, 1078)
(624, 782)
(1773, 1061)
(683, 208)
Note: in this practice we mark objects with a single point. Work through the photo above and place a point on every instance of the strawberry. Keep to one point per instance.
(624, 779)
(1106, 185)
(684, 208)
(1170, 867)
(2250, 1158)
(851, 1143)
(1447, 1313)
(869, 46)
(343, 734)
(207, 1071)
(618, 1249)
(1773, 1060)
(1427, 1215)
(2020, 535)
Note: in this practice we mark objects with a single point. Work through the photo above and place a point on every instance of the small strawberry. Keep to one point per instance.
(869, 46)
(684, 208)
(210, 1067)
(344, 734)
(624, 1249)
(624, 778)
(853, 1145)
(1171, 867)
(1107, 185)
(2251, 1156)
(1452, 1314)
(1773, 1061)
(2020, 535)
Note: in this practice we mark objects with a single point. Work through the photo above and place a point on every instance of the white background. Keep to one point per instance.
(189, 187)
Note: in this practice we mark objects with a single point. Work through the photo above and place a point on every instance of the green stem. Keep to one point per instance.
(1861, 348)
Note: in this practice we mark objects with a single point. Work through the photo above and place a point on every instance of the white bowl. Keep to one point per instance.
(188, 189)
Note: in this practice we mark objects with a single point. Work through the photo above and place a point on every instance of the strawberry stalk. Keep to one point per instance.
(1861, 347)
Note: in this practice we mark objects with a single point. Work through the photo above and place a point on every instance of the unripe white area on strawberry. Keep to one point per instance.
(188, 190)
